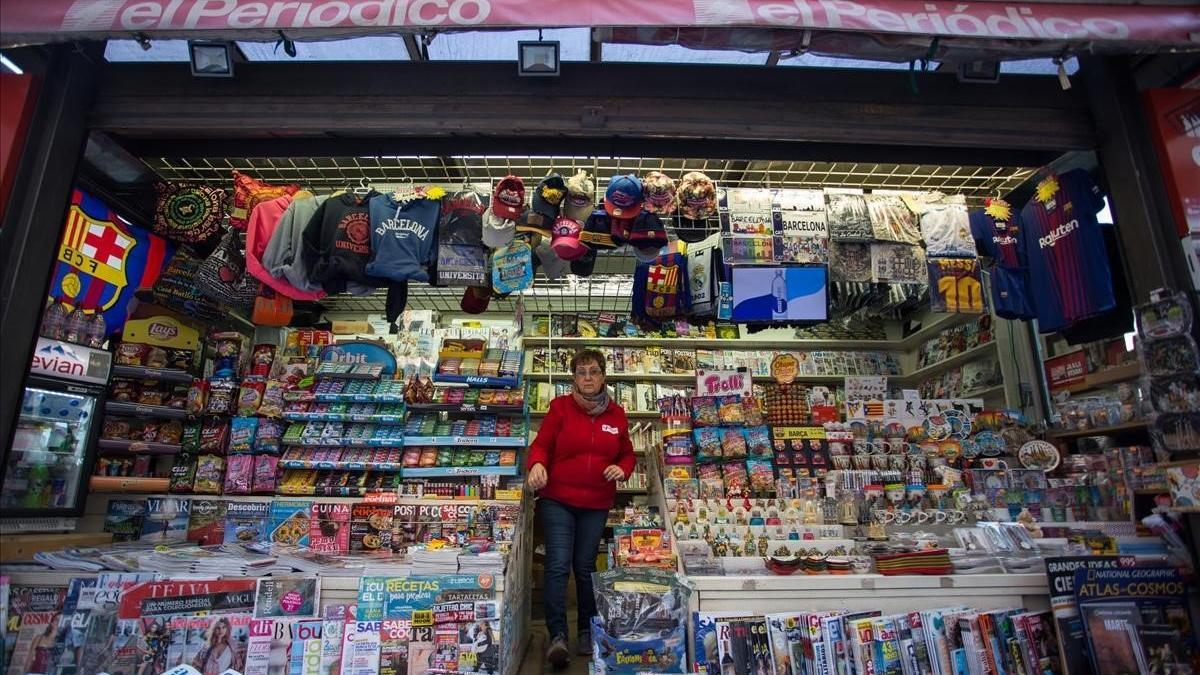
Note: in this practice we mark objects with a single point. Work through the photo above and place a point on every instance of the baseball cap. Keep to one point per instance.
(497, 231)
(509, 197)
(597, 231)
(659, 190)
(648, 231)
(565, 240)
(581, 194)
(696, 196)
(623, 199)
(584, 265)
(475, 299)
(552, 265)
(535, 223)
(620, 229)
(548, 196)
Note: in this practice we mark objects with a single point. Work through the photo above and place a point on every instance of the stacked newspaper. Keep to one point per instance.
(427, 560)
(489, 561)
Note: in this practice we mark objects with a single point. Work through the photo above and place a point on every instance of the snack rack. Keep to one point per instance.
(470, 422)
(345, 434)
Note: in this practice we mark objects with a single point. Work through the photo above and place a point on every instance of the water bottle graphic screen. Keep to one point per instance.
(780, 294)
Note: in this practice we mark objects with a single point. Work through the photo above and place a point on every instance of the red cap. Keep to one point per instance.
(475, 299)
(509, 198)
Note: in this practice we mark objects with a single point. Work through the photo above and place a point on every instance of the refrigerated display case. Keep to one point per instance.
(48, 460)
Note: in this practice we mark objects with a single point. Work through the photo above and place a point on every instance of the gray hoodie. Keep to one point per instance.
(282, 257)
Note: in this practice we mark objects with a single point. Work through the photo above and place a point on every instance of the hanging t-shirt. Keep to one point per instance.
(1064, 247)
(997, 233)
(955, 285)
(402, 238)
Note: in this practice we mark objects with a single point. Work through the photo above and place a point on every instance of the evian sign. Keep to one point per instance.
(73, 362)
(43, 20)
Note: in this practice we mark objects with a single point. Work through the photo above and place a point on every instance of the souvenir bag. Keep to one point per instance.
(223, 277)
(176, 288)
(512, 267)
(248, 193)
(189, 214)
(668, 293)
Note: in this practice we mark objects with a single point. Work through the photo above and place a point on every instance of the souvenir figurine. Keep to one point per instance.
(763, 543)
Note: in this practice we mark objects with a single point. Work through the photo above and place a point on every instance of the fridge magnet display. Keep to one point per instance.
(1175, 393)
(1178, 432)
(1177, 354)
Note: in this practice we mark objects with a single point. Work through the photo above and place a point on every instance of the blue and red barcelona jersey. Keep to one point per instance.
(997, 233)
(1064, 249)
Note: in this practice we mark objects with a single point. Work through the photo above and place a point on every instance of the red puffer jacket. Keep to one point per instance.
(575, 448)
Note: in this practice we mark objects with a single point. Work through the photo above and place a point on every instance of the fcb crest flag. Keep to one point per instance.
(103, 260)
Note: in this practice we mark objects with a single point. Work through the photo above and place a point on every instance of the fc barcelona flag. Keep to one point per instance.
(103, 260)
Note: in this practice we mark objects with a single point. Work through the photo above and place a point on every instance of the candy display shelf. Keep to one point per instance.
(478, 381)
(342, 398)
(343, 417)
(1135, 426)
(147, 373)
(386, 467)
(468, 441)
(349, 443)
(948, 363)
(467, 408)
(160, 412)
(458, 471)
(117, 445)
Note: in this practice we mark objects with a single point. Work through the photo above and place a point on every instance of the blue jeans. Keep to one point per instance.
(572, 537)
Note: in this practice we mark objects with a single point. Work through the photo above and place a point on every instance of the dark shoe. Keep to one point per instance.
(584, 648)
(557, 653)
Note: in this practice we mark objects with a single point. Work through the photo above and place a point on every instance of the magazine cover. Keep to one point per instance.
(420, 652)
(783, 630)
(394, 635)
(32, 621)
(360, 648)
(289, 522)
(166, 519)
(218, 642)
(704, 633)
(304, 657)
(329, 528)
(124, 518)
(1143, 595)
(246, 522)
(206, 523)
(370, 528)
(1110, 640)
(1160, 651)
(1060, 575)
(335, 618)
(287, 597)
(405, 595)
(372, 594)
(258, 647)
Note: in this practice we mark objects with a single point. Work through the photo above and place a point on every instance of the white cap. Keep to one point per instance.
(497, 232)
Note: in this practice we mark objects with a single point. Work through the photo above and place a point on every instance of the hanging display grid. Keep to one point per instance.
(608, 289)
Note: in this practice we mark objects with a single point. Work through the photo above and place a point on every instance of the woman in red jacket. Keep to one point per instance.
(582, 449)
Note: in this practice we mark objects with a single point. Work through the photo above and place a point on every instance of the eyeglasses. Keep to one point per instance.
(589, 372)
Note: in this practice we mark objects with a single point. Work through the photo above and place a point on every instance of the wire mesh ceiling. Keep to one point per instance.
(608, 289)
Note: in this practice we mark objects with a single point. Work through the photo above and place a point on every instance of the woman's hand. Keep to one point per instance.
(537, 477)
(614, 472)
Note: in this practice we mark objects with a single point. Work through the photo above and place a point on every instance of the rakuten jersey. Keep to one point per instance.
(1064, 248)
(997, 233)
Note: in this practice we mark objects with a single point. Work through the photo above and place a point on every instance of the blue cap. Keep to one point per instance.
(624, 198)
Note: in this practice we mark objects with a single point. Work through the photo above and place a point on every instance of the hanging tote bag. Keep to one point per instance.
(223, 278)
(176, 289)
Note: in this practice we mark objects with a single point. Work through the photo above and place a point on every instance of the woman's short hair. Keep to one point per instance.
(584, 356)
